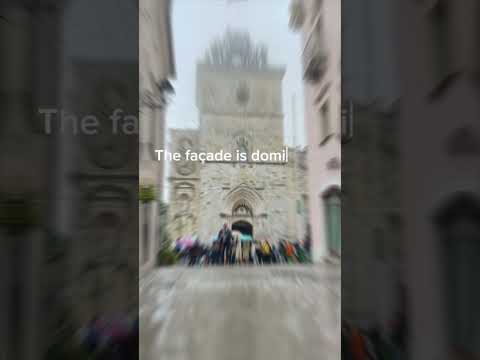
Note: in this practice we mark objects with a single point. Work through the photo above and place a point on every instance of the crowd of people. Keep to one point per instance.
(370, 344)
(232, 247)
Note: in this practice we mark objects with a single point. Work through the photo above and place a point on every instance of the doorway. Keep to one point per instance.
(243, 226)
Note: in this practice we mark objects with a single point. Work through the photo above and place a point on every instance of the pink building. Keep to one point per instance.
(320, 24)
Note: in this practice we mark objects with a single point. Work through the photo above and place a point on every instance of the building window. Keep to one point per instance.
(305, 203)
(324, 126)
(315, 54)
(299, 206)
(458, 225)
(333, 213)
(297, 15)
(316, 9)
(347, 121)
(441, 45)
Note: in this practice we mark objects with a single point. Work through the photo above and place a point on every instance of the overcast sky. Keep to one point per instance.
(196, 23)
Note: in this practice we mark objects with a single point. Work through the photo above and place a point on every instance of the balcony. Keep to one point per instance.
(297, 15)
(315, 59)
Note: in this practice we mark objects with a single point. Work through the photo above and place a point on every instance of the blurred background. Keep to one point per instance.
(410, 178)
(69, 188)
(101, 243)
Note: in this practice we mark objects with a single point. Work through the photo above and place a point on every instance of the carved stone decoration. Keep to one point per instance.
(108, 149)
(242, 210)
(184, 145)
(184, 203)
(242, 143)
(183, 166)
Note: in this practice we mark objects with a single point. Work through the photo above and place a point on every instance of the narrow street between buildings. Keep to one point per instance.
(241, 312)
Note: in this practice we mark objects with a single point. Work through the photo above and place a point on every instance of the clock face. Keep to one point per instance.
(242, 94)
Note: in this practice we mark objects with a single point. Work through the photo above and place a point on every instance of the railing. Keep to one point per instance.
(297, 15)
(315, 58)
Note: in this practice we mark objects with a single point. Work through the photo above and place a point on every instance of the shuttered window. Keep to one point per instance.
(333, 213)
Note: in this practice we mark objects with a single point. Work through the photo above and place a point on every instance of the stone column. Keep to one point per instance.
(7, 271)
(30, 81)
(152, 230)
(141, 216)
(159, 128)
(32, 295)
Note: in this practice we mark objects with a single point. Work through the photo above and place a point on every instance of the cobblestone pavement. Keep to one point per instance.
(240, 313)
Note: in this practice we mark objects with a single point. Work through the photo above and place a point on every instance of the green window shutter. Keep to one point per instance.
(333, 215)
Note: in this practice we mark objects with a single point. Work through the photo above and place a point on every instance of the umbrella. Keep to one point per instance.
(245, 237)
(187, 241)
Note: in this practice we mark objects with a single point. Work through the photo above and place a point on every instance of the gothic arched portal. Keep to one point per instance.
(243, 226)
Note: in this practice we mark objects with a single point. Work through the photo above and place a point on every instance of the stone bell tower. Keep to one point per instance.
(239, 98)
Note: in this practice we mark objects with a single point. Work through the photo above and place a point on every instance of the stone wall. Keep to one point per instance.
(246, 116)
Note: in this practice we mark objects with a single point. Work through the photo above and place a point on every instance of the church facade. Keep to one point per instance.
(240, 109)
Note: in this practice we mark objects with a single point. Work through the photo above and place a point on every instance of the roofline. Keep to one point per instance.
(279, 70)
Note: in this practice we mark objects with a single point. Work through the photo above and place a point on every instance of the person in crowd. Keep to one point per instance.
(307, 243)
(246, 252)
(276, 258)
(225, 238)
(266, 252)
(259, 253)
(196, 252)
(253, 253)
(290, 252)
(231, 253)
(178, 246)
(227, 244)
(231, 247)
(282, 250)
(215, 253)
(238, 251)
(301, 254)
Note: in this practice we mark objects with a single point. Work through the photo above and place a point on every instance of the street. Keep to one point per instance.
(230, 313)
